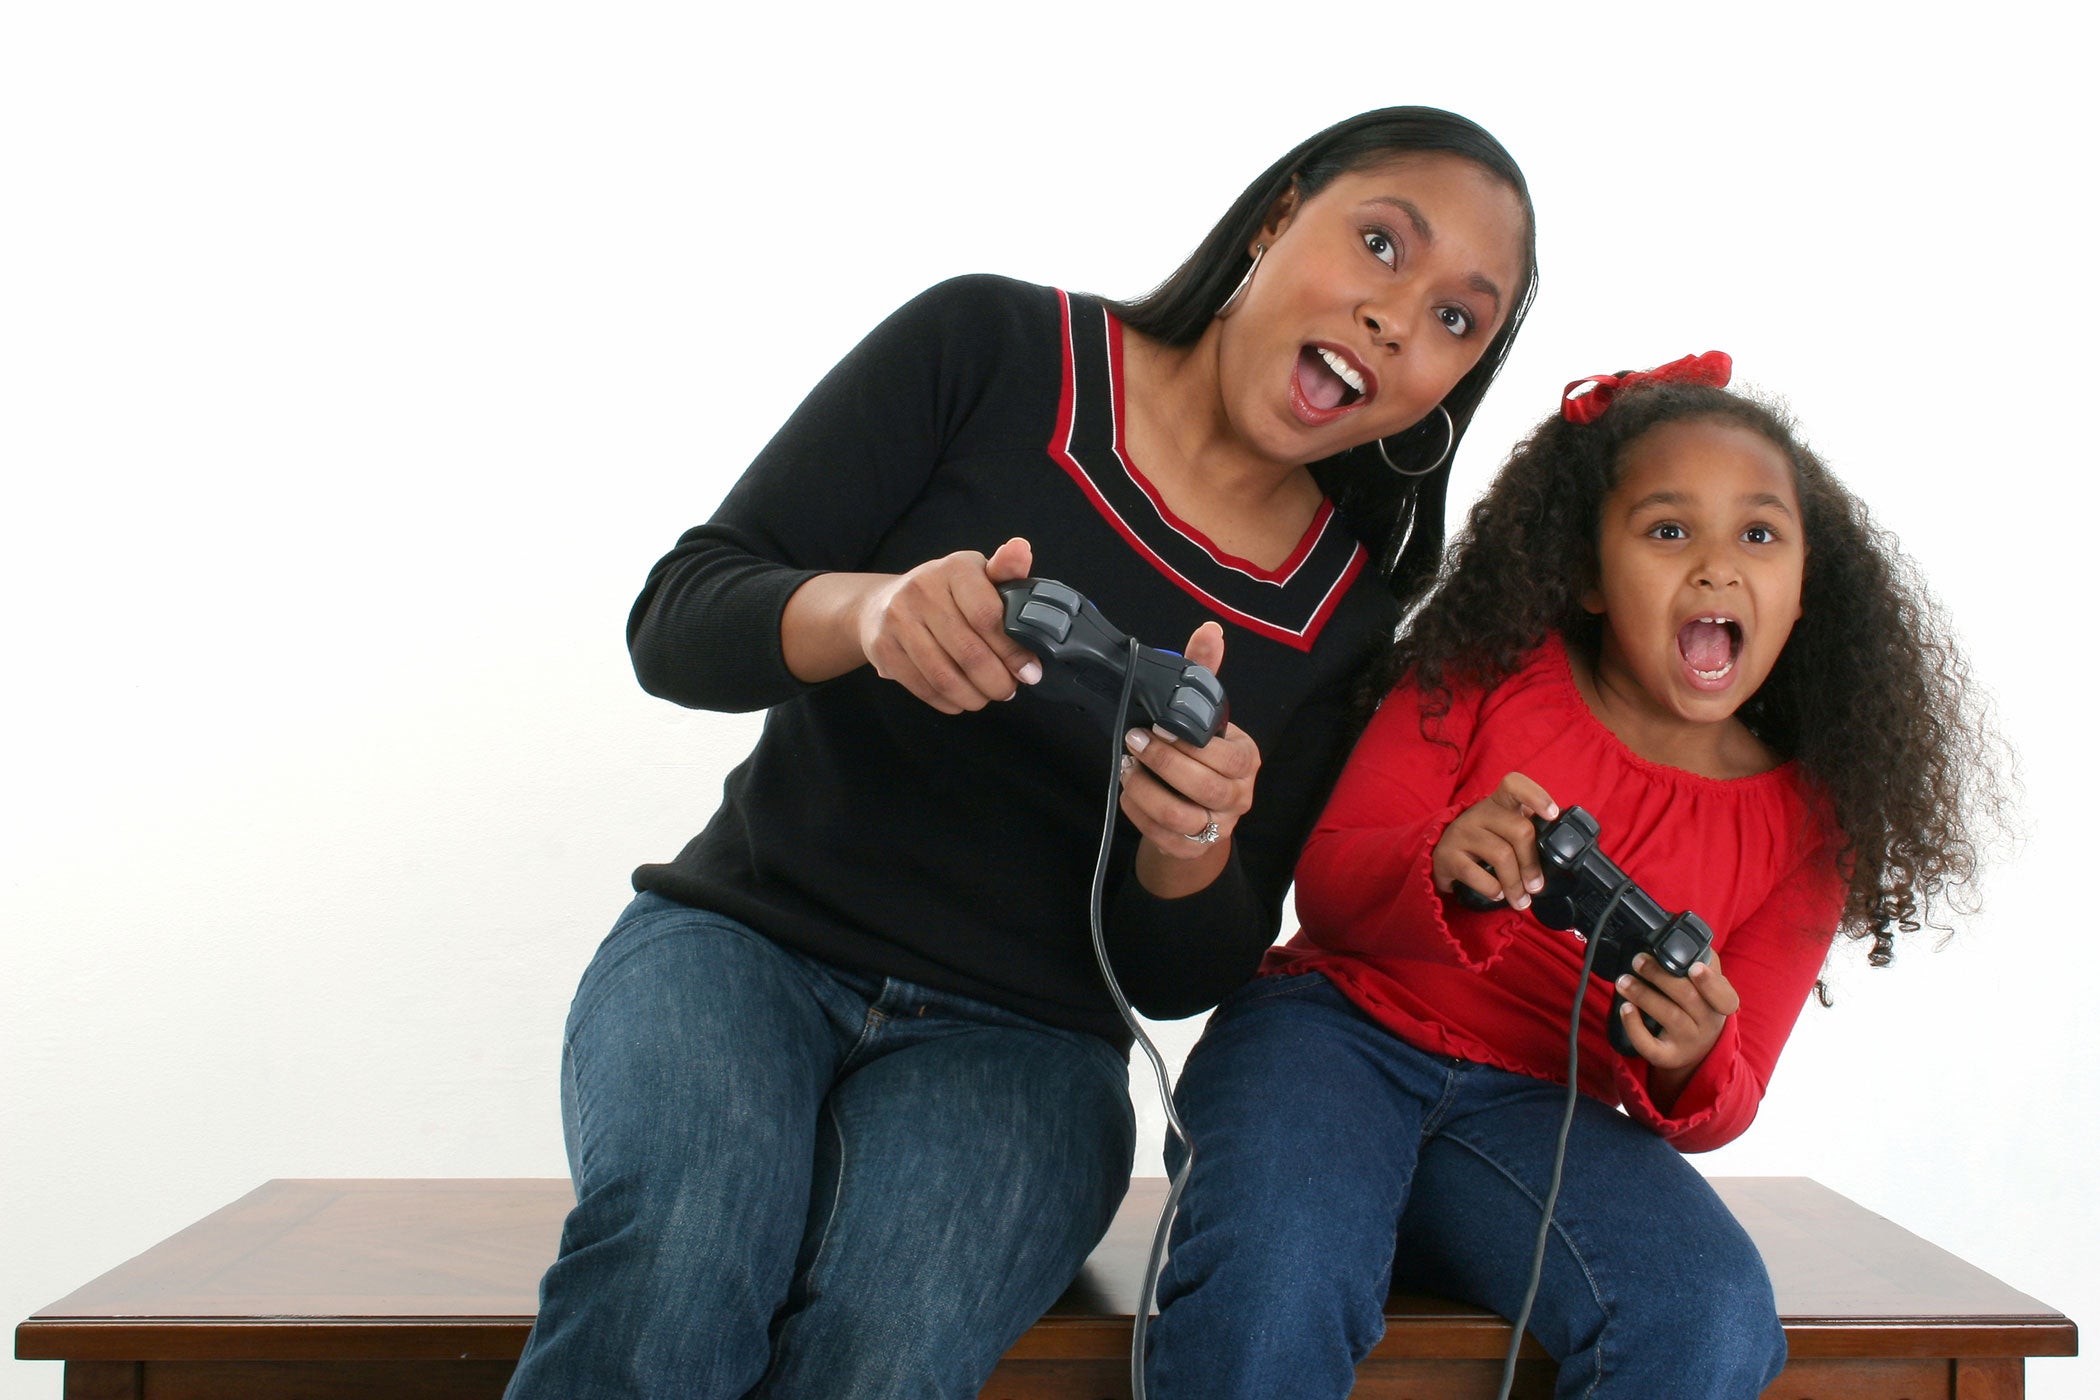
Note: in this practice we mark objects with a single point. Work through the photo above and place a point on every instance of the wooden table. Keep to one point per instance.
(413, 1290)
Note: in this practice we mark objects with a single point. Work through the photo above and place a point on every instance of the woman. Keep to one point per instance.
(845, 1100)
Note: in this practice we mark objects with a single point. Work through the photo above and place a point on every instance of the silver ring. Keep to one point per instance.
(1206, 837)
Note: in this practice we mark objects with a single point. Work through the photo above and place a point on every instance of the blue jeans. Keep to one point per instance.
(1333, 1159)
(795, 1181)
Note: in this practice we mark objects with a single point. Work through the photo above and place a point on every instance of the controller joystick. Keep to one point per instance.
(1084, 660)
(1580, 881)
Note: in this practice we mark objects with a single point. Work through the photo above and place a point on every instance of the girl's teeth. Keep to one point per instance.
(1342, 371)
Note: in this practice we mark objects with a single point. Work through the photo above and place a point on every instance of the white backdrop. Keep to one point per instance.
(357, 360)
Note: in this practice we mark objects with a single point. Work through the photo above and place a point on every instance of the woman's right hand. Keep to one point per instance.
(940, 630)
(1496, 832)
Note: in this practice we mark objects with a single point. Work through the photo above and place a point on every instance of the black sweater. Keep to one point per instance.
(871, 831)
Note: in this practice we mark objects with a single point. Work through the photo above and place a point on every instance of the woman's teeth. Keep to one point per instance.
(1342, 370)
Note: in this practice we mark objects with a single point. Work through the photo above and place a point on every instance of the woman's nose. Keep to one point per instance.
(1383, 324)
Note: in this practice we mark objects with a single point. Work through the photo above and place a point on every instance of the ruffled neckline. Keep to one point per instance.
(1553, 664)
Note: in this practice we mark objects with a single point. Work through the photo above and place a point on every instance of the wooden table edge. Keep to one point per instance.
(1052, 1339)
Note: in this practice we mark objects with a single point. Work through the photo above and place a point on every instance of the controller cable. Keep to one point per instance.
(1560, 1146)
(1140, 1322)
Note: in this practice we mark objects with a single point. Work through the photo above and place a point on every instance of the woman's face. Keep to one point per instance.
(1374, 297)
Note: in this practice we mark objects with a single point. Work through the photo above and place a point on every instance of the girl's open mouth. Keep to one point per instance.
(1327, 381)
(1710, 646)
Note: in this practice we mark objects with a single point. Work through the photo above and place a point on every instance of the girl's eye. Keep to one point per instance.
(1759, 534)
(1382, 246)
(1456, 320)
(1668, 530)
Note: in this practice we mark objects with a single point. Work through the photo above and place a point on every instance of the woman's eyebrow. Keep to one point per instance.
(1414, 215)
(1478, 281)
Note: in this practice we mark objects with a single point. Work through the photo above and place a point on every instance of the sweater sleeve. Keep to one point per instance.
(705, 631)
(1773, 959)
(1368, 869)
(1177, 957)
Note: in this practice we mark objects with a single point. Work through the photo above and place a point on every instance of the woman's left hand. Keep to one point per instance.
(1691, 1011)
(1173, 790)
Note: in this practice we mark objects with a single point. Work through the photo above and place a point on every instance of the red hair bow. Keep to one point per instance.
(1585, 400)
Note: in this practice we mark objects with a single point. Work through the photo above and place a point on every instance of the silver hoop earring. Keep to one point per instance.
(1450, 441)
(1232, 303)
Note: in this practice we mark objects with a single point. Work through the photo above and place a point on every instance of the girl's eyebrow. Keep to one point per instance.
(1763, 499)
(1766, 498)
(1658, 498)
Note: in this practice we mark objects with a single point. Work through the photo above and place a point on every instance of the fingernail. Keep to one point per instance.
(1535, 884)
(1698, 970)
(1128, 763)
(1162, 732)
(1522, 901)
(1641, 961)
(1137, 739)
(1626, 983)
(1031, 672)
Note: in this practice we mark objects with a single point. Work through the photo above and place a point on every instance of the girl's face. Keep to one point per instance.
(1374, 297)
(1700, 552)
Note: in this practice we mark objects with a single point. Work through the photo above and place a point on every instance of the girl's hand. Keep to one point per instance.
(1691, 1011)
(1496, 832)
(1173, 790)
(940, 630)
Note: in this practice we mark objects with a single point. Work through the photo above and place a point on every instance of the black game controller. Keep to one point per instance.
(1580, 880)
(1084, 659)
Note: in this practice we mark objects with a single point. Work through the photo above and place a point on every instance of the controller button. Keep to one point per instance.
(1679, 950)
(1200, 710)
(1056, 622)
(1056, 594)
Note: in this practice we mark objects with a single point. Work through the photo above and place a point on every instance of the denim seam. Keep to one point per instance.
(1433, 1121)
(808, 1280)
(583, 1129)
(871, 1025)
(1560, 1231)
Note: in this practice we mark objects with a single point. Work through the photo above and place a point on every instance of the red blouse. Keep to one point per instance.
(1753, 856)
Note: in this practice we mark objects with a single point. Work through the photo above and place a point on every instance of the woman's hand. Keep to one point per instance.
(1173, 790)
(1691, 1011)
(939, 631)
(1492, 848)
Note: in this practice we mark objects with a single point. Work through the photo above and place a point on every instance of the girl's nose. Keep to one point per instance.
(1716, 573)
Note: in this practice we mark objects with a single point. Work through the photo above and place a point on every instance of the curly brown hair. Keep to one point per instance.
(1871, 696)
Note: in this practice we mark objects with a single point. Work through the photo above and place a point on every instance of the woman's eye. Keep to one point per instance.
(1455, 320)
(1381, 245)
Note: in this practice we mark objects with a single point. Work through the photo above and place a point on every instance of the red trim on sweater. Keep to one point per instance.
(1060, 449)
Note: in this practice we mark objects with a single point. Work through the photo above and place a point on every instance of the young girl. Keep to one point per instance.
(1667, 611)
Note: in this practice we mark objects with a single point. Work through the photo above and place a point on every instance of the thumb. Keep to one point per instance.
(1207, 646)
(1010, 561)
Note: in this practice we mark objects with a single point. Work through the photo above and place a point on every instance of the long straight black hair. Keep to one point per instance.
(1400, 519)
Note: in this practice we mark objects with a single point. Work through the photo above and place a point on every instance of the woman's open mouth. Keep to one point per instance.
(1326, 384)
(1710, 646)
